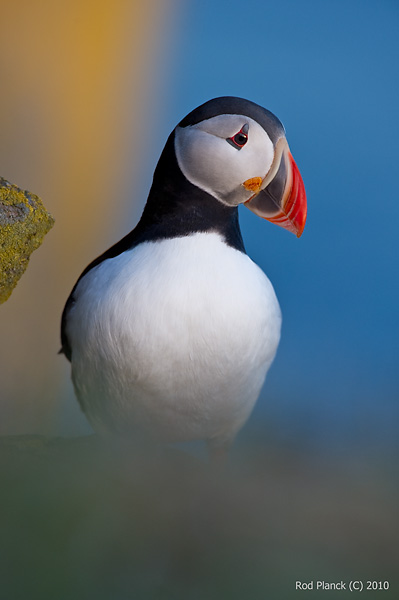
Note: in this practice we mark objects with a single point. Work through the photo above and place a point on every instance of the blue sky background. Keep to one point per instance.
(329, 71)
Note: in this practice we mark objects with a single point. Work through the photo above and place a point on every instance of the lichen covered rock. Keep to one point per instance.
(24, 222)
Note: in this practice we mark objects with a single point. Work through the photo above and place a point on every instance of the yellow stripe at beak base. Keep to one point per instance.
(253, 184)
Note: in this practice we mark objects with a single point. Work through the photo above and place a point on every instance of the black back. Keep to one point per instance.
(175, 208)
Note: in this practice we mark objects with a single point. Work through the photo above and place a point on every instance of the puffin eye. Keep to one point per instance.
(239, 139)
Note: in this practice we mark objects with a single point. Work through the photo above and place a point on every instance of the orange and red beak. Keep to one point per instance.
(280, 197)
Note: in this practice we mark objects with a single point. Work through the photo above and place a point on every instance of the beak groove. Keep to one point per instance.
(282, 198)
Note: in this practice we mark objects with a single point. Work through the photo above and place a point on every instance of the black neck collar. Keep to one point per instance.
(176, 208)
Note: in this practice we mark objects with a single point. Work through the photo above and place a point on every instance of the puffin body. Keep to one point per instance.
(171, 332)
(180, 342)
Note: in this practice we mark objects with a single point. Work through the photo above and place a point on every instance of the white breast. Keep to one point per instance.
(173, 337)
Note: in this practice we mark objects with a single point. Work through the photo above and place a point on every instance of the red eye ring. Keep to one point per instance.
(239, 140)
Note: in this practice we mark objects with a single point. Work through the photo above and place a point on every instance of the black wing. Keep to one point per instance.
(126, 243)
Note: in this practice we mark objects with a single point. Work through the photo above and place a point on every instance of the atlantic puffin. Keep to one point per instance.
(171, 331)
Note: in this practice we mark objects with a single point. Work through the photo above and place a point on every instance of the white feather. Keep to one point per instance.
(173, 338)
(210, 163)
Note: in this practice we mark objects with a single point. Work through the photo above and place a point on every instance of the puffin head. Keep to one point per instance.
(237, 152)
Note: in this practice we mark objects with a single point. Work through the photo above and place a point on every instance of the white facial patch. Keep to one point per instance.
(208, 161)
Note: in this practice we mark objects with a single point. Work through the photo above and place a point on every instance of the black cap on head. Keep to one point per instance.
(230, 105)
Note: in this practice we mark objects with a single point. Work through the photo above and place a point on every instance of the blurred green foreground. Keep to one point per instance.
(80, 519)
